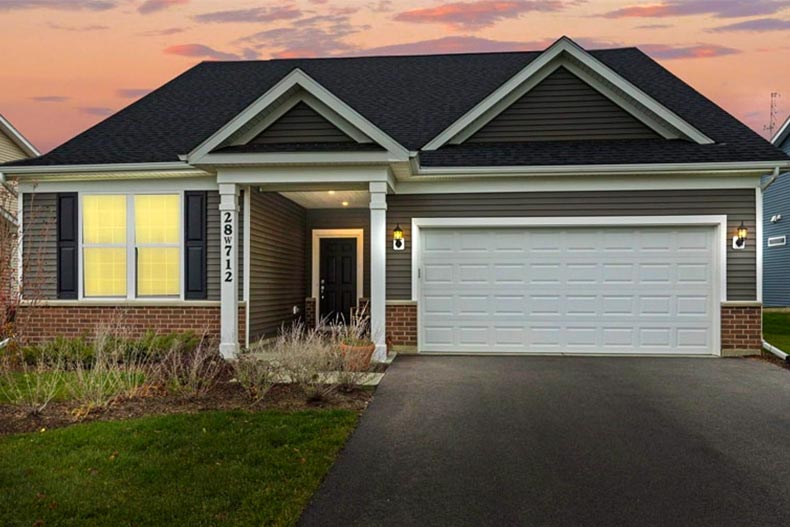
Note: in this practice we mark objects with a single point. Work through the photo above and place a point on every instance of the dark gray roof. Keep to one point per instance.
(411, 98)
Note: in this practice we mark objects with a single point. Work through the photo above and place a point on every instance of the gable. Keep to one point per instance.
(9, 151)
(301, 124)
(562, 107)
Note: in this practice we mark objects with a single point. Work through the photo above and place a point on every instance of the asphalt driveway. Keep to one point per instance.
(567, 441)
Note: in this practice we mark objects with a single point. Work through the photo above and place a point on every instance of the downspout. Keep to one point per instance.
(776, 351)
(770, 347)
(773, 179)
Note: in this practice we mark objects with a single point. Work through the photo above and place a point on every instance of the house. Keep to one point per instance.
(13, 146)
(776, 225)
(561, 201)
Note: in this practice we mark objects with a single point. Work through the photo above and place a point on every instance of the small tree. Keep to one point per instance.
(32, 261)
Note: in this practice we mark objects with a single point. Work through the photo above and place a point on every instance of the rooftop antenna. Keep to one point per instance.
(771, 126)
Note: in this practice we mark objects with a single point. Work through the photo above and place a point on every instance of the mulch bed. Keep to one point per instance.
(225, 396)
(773, 359)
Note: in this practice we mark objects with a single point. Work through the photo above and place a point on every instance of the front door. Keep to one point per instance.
(338, 280)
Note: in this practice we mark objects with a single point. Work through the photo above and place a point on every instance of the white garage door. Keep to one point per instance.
(568, 290)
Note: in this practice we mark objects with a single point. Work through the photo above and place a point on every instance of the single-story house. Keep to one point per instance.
(559, 201)
(776, 226)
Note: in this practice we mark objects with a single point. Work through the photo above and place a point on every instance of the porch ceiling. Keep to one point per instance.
(330, 199)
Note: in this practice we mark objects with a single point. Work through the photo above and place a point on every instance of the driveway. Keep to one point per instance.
(566, 441)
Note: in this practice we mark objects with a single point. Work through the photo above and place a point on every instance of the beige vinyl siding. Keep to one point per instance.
(9, 151)
(40, 246)
(214, 247)
(277, 262)
(562, 107)
(339, 219)
(737, 204)
(302, 124)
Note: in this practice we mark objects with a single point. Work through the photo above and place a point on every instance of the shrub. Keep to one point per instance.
(192, 373)
(256, 375)
(307, 355)
(29, 387)
(152, 347)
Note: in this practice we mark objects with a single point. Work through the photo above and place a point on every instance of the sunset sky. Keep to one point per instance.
(67, 64)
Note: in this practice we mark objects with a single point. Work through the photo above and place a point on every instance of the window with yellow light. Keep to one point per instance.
(104, 237)
(157, 237)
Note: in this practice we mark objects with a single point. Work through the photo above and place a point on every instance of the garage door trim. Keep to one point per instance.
(718, 222)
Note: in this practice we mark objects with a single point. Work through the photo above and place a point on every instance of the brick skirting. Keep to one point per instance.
(741, 329)
(40, 323)
(310, 312)
(402, 324)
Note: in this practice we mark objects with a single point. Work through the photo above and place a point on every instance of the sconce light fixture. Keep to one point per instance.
(398, 243)
(739, 241)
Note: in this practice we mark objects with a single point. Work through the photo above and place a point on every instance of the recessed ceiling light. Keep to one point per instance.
(345, 203)
(331, 192)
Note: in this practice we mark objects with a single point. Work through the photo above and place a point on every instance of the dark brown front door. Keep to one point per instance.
(338, 280)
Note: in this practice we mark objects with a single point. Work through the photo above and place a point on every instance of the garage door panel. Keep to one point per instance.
(598, 290)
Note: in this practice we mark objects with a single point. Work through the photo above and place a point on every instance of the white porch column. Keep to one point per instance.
(378, 270)
(229, 289)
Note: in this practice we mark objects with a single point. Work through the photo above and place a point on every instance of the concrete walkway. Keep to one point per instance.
(566, 441)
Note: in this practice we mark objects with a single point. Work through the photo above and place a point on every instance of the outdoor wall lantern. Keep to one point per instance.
(398, 243)
(739, 241)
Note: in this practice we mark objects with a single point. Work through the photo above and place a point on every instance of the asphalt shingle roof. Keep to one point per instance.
(411, 98)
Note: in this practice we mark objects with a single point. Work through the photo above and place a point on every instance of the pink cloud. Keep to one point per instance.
(758, 25)
(50, 98)
(132, 93)
(101, 111)
(162, 32)
(199, 51)
(255, 14)
(61, 5)
(476, 15)
(152, 6)
(717, 8)
(668, 52)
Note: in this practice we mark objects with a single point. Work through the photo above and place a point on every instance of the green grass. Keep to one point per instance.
(776, 330)
(214, 468)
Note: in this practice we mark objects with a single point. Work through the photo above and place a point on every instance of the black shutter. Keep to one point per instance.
(195, 245)
(67, 245)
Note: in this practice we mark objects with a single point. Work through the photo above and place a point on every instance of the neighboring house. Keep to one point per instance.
(776, 221)
(563, 201)
(13, 146)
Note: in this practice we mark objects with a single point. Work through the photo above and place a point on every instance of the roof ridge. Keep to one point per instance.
(405, 56)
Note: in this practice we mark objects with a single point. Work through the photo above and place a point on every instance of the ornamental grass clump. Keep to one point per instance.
(29, 387)
(192, 373)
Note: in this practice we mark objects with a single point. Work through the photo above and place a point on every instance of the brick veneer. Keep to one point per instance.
(38, 323)
(310, 312)
(741, 329)
(402, 324)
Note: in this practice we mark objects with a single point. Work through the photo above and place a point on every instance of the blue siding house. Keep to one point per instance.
(776, 232)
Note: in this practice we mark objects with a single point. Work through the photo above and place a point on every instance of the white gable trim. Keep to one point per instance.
(782, 134)
(18, 138)
(297, 78)
(504, 95)
(328, 113)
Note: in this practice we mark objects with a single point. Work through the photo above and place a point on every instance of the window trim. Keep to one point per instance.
(131, 248)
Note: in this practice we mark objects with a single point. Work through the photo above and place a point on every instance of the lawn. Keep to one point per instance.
(776, 330)
(215, 468)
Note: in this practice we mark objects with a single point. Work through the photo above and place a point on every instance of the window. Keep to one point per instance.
(157, 235)
(104, 242)
(131, 245)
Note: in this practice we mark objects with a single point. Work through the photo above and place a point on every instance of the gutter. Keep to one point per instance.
(776, 175)
(776, 351)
